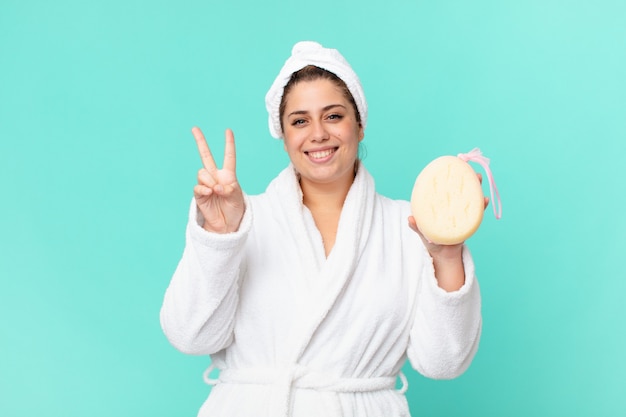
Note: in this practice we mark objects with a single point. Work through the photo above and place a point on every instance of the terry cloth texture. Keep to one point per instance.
(295, 333)
(312, 53)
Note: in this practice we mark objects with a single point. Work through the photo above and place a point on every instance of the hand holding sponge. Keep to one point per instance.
(447, 200)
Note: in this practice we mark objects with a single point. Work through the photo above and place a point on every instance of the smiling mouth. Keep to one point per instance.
(321, 154)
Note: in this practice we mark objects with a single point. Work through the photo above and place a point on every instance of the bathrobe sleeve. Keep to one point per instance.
(446, 331)
(198, 311)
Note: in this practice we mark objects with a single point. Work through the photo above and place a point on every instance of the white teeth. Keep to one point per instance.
(321, 154)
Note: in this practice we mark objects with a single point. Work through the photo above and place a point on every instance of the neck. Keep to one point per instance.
(326, 196)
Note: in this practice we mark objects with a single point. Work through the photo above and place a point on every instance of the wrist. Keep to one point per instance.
(449, 267)
(446, 253)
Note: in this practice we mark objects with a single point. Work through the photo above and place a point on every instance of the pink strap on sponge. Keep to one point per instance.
(475, 155)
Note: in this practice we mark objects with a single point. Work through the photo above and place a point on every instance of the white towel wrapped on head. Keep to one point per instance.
(312, 53)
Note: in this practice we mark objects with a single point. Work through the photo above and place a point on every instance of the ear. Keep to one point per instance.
(361, 132)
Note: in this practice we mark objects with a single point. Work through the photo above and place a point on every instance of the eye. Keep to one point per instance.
(297, 122)
(335, 116)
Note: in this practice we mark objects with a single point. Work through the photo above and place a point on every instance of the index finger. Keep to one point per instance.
(203, 148)
(229, 151)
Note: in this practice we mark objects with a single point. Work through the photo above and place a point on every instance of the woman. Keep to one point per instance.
(310, 296)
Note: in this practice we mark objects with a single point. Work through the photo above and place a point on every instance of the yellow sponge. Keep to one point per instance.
(447, 201)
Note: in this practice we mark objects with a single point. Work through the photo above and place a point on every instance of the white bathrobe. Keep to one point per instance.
(295, 333)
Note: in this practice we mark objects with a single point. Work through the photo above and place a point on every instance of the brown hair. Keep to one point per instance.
(312, 73)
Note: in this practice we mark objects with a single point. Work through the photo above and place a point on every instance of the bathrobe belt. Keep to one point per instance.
(286, 379)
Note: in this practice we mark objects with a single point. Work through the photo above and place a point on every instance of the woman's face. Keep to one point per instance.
(321, 133)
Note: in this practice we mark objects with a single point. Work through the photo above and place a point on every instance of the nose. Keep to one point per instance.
(319, 132)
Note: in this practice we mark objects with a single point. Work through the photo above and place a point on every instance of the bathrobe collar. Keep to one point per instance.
(325, 278)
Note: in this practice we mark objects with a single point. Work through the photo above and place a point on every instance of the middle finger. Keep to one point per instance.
(203, 148)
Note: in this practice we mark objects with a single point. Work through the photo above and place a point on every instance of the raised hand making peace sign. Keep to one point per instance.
(218, 195)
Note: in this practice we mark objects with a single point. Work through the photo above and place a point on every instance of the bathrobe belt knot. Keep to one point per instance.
(284, 380)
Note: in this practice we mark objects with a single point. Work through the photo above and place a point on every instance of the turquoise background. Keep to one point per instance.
(97, 165)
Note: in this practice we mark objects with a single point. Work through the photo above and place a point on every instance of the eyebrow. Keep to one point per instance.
(326, 108)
